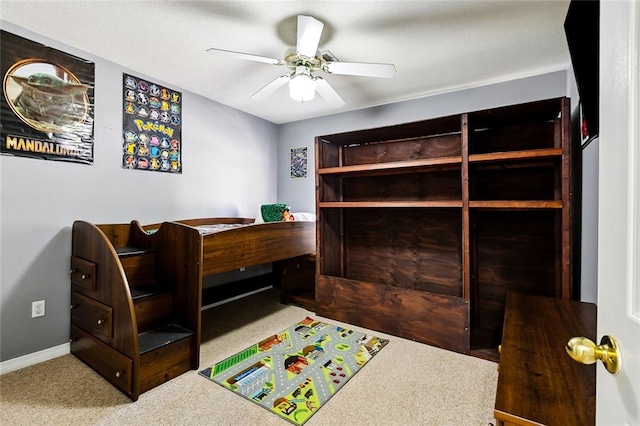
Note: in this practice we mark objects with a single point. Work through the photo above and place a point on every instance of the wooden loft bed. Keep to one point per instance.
(137, 290)
(227, 249)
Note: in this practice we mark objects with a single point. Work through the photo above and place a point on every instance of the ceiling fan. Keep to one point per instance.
(304, 60)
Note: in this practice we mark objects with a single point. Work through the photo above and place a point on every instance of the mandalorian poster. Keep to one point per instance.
(47, 102)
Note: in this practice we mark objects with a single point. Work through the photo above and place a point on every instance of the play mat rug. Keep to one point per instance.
(293, 373)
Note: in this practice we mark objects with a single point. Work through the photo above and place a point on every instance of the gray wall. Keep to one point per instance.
(300, 194)
(229, 160)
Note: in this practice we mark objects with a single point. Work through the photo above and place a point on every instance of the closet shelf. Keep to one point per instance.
(516, 155)
(389, 204)
(393, 166)
(538, 204)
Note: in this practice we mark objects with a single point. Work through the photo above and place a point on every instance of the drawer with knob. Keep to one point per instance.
(111, 364)
(91, 315)
(83, 273)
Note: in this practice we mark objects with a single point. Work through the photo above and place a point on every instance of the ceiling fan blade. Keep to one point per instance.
(328, 93)
(246, 56)
(309, 32)
(360, 69)
(272, 87)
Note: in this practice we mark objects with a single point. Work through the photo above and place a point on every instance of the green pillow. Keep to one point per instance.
(273, 212)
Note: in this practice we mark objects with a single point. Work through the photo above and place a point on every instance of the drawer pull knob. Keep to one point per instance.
(85, 276)
(100, 321)
(585, 351)
(118, 374)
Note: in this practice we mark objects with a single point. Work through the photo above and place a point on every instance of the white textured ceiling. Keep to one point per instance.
(436, 46)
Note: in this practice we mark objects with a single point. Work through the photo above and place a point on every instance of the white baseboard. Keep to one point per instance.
(34, 358)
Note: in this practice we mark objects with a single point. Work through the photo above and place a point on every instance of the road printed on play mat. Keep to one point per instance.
(293, 373)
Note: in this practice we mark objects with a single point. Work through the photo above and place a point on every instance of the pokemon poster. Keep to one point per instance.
(47, 102)
(152, 124)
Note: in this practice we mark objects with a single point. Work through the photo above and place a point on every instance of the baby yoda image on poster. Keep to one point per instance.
(47, 102)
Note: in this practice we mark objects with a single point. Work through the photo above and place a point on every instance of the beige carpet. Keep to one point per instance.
(407, 383)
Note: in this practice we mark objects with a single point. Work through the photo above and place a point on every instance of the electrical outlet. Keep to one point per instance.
(37, 309)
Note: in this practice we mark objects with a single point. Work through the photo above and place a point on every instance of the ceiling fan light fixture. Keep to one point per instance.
(302, 87)
(303, 60)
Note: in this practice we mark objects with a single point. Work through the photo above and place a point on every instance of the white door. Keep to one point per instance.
(618, 396)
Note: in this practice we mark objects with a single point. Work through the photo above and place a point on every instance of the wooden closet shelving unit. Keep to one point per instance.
(423, 228)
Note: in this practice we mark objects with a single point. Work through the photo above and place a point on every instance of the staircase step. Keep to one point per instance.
(152, 308)
(141, 292)
(162, 336)
(139, 265)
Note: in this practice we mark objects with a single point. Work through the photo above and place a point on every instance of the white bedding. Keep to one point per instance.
(210, 229)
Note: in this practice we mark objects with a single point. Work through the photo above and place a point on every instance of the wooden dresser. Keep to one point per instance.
(538, 383)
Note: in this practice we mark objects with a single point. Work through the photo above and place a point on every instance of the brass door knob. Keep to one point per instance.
(585, 351)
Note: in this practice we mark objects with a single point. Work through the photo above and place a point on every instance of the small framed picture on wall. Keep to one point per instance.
(299, 162)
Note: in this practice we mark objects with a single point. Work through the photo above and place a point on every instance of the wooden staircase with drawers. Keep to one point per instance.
(135, 302)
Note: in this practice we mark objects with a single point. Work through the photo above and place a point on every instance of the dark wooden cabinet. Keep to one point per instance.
(538, 383)
(424, 227)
